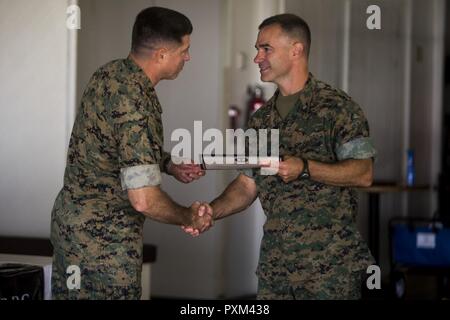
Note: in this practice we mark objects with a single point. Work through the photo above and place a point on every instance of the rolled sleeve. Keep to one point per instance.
(140, 176)
(360, 148)
(352, 137)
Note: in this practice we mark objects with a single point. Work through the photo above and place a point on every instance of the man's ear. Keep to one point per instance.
(161, 54)
(299, 49)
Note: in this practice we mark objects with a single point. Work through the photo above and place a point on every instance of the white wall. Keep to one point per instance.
(33, 92)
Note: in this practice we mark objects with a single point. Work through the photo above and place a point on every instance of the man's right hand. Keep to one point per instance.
(201, 218)
(185, 172)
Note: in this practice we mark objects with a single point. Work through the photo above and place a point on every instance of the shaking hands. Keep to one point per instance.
(201, 218)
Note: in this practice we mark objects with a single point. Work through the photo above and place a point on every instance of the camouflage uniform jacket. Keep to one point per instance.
(311, 228)
(116, 144)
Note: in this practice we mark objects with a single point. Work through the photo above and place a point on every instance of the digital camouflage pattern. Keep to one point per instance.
(311, 247)
(116, 144)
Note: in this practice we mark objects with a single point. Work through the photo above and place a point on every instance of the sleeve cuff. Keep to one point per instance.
(140, 176)
(361, 148)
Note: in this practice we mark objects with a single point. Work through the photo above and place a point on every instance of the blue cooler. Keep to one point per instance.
(421, 245)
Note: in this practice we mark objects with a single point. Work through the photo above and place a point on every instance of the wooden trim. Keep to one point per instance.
(43, 247)
(26, 246)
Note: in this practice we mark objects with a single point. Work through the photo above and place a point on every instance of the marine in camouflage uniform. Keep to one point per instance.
(311, 248)
(114, 166)
(116, 144)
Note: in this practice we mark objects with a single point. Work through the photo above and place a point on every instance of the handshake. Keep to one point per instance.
(200, 218)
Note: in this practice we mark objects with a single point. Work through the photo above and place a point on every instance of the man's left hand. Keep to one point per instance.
(290, 168)
(185, 173)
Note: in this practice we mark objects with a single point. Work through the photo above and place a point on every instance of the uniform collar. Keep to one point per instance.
(137, 74)
(306, 94)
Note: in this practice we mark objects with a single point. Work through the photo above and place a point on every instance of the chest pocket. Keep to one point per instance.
(310, 137)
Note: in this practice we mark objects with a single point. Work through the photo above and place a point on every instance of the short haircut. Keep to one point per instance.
(293, 26)
(156, 25)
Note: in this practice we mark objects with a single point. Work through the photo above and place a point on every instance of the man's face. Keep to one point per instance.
(177, 55)
(273, 56)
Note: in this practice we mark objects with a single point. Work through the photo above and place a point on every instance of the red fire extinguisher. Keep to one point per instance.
(255, 101)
